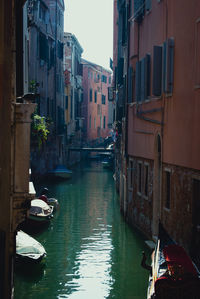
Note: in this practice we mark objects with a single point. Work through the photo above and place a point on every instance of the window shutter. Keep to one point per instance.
(147, 75)
(130, 84)
(137, 80)
(157, 70)
(139, 10)
(120, 68)
(148, 5)
(142, 80)
(164, 66)
(170, 65)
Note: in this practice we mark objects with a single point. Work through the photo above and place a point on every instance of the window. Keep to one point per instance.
(104, 79)
(142, 79)
(95, 122)
(90, 118)
(95, 96)
(130, 174)
(103, 99)
(157, 70)
(60, 49)
(130, 84)
(139, 183)
(104, 122)
(90, 95)
(146, 179)
(43, 47)
(168, 66)
(167, 189)
(148, 5)
(139, 6)
(42, 12)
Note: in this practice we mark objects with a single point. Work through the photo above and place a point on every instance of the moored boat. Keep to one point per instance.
(28, 249)
(40, 211)
(60, 172)
(173, 274)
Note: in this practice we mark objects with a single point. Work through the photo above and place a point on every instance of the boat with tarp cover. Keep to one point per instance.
(173, 275)
(28, 249)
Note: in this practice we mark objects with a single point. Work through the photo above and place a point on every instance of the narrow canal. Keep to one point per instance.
(91, 251)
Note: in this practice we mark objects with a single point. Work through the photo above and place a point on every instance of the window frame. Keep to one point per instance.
(146, 180)
(139, 177)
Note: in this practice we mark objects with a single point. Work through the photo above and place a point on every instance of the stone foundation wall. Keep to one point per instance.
(177, 219)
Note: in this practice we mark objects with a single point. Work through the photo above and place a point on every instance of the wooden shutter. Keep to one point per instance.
(147, 75)
(130, 84)
(137, 80)
(157, 70)
(168, 65)
(148, 5)
(139, 6)
(120, 68)
(164, 66)
(142, 80)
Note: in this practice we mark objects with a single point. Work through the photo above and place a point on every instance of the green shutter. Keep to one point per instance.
(142, 80)
(130, 84)
(137, 80)
(147, 75)
(157, 70)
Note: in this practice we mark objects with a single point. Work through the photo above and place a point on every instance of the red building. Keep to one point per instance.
(159, 163)
(96, 81)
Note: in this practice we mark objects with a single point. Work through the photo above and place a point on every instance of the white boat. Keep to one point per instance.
(40, 211)
(60, 172)
(28, 249)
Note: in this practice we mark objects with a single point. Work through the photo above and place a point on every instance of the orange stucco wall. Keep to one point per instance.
(181, 122)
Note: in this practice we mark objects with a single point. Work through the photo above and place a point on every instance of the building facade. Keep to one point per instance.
(159, 171)
(96, 81)
(46, 79)
(73, 72)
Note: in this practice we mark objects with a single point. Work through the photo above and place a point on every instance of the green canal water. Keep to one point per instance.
(91, 252)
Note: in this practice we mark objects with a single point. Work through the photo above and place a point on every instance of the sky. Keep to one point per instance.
(91, 21)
